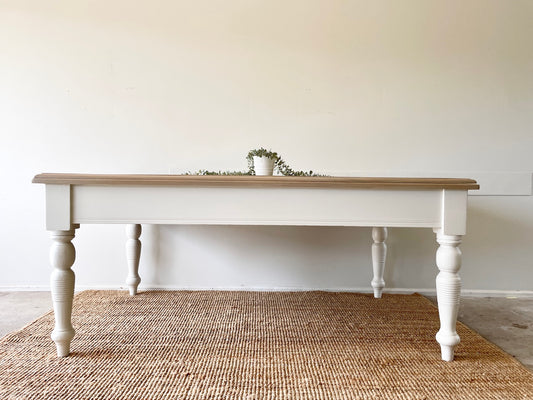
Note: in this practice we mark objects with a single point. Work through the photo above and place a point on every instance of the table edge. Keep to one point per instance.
(256, 181)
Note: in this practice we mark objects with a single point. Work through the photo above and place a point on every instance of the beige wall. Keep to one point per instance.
(334, 86)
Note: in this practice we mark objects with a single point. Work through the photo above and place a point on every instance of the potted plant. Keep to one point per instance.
(262, 161)
(265, 162)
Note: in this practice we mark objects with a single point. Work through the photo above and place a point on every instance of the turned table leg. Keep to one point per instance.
(133, 255)
(62, 256)
(379, 254)
(448, 292)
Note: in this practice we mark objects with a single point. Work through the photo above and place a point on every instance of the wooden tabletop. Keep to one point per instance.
(255, 181)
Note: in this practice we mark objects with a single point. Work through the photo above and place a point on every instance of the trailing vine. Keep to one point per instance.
(206, 172)
(279, 165)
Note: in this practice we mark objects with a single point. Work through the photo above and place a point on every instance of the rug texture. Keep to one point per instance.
(254, 345)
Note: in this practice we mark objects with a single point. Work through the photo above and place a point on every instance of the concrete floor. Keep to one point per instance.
(507, 322)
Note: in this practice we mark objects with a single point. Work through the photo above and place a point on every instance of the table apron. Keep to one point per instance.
(73, 204)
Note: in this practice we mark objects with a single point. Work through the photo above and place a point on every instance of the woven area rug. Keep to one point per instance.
(254, 345)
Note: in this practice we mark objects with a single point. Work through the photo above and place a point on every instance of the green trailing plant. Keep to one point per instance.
(285, 170)
(206, 172)
(279, 165)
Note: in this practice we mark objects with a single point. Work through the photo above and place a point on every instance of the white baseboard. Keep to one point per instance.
(423, 291)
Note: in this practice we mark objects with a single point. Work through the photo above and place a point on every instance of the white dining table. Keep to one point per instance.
(379, 203)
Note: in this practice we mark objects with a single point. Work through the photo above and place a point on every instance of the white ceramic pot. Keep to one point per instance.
(263, 166)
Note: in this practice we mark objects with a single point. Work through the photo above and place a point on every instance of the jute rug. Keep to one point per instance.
(254, 345)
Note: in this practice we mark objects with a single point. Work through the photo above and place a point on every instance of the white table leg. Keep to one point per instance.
(379, 254)
(62, 256)
(448, 292)
(133, 255)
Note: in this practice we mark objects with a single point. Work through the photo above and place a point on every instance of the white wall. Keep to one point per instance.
(334, 86)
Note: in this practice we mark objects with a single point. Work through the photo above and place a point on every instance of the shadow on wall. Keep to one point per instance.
(334, 258)
(257, 257)
(497, 237)
(411, 258)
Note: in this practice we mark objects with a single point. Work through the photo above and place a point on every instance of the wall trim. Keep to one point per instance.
(423, 291)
